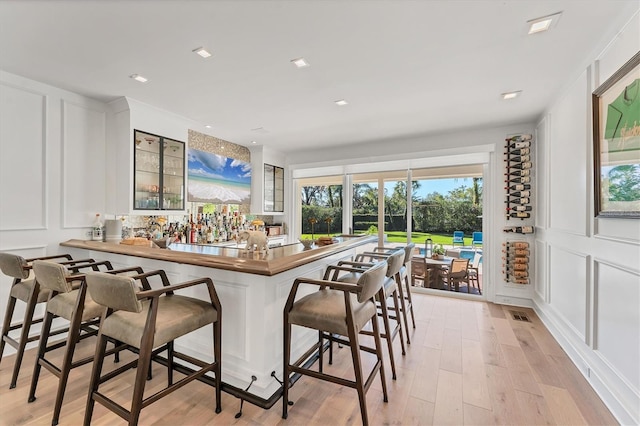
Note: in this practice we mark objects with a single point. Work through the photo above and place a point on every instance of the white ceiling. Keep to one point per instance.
(405, 67)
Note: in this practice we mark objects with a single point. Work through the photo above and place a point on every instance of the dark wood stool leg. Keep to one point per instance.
(144, 363)
(169, 363)
(24, 334)
(387, 331)
(98, 359)
(407, 284)
(42, 348)
(287, 359)
(398, 320)
(217, 354)
(402, 307)
(11, 305)
(65, 368)
(320, 353)
(354, 343)
(376, 339)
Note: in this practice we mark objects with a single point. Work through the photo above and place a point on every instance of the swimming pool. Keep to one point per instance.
(464, 253)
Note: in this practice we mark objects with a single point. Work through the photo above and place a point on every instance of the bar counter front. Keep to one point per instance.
(252, 287)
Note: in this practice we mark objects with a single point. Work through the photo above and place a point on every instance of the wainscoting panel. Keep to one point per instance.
(568, 161)
(541, 279)
(83, 164)
(568, 287)
(617, 319)
(23, 170)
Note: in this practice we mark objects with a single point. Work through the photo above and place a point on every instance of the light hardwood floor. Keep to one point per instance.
(469, 363)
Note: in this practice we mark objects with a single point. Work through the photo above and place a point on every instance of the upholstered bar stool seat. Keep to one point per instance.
(149, 321)
(23, 289)
(177, 316)
(325, 310)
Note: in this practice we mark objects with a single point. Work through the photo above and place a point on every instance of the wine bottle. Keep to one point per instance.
(520, 209)
(523, 172)
(518, 187)
(519, 229)
(521, 166)
(519, 138)
(524, 200)
(516, 180)
(520, 215)
(521, 144)
(520, 194)
(519, 151)
(518, 158)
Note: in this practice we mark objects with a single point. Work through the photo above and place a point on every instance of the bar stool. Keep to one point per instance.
(71, 303)
(404, 286)
(146, 320)
(336, 309)
(389, 290)
(29, 292)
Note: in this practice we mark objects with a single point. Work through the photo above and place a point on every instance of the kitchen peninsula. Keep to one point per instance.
(253, 288)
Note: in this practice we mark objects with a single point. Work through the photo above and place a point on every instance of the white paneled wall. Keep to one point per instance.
(588, 289)
(23, 120)
(52, 170)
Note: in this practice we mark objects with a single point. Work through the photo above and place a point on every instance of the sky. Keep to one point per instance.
(442, 186)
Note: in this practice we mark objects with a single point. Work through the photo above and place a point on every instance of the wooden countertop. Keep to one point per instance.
(277, 260)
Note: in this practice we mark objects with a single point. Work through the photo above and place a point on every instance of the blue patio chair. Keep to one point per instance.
(458, 238)
(476, 239)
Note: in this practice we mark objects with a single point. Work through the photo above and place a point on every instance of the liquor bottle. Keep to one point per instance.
(521, 166)
(520, 208)
(519, 187)
(524, 172)
(193, 234)
(519, 229)
(96, 231)
(516, 180)
(518, 158)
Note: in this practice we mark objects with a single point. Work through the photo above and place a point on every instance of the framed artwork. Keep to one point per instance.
(217, 179)
(616, 140)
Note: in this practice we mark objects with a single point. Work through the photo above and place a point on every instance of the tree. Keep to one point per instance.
(312, 195)
(624, 183)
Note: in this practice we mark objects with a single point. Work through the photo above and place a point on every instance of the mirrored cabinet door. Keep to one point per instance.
(273, 188)
(158, 172)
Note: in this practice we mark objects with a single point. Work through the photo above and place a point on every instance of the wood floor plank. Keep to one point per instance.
(543, 370)
(496, 310)
(435, 333)
(448, 409)
(418, 412)
(534, 408)
(504, 332)
(451, 354)
(519, 370)
(562, 406)
(474, 379)
(491, 349)
(505, 408)
(425, 383)
(477, 416)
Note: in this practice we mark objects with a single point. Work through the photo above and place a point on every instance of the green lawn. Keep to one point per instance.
(416, 237)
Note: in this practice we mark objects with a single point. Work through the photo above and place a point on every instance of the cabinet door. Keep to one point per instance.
(158, 179)
(146, 178)
(273, 188)
(173, 175)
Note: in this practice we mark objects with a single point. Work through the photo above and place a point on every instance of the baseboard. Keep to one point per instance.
(617, 395)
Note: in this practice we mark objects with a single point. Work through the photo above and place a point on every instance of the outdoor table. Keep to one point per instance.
(419, 262)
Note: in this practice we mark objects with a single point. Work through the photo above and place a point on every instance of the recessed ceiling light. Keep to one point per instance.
(208, 126)
(202, 52)
(139, 78)
(511, 95)
(341, 102)
(300, 62)
(254, 142)
(544, 23)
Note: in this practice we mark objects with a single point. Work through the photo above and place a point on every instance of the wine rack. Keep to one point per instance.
(518, 182)
(516, 262)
